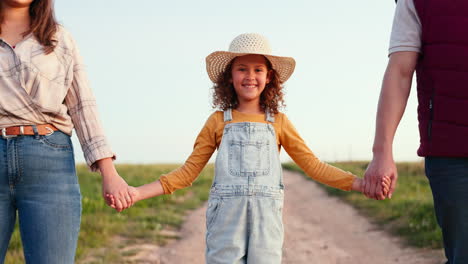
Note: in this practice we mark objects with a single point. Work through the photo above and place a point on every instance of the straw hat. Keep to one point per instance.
(244, 44)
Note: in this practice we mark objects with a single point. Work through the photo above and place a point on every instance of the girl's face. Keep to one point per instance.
(250, 74)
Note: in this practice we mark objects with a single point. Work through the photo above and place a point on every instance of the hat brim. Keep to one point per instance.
(217, 62)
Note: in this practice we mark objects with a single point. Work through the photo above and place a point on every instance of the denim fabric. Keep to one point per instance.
(38, 183)
(244, 216)
(449, 182)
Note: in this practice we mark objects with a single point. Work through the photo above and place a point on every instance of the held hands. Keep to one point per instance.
(112, 201)
(380, 172)
(136, 194)
(113, 184)
(360, 185)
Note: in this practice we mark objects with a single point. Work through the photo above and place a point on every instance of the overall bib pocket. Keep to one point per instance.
(249, 158)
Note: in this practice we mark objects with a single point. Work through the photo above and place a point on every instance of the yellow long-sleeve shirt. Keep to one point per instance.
(209, 140)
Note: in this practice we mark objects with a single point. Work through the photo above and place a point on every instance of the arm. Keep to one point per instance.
(184, 176)
(203, 149)
(392, 103)
(312, 166)
(82, 109)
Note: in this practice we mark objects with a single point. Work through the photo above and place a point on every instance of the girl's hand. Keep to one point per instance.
(386, 183)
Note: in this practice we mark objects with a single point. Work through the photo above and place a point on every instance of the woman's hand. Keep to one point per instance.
(132, 192)
(114, 185)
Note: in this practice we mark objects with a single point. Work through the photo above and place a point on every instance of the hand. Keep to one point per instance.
(379, 171)
(131, 191)
(359, 185)
(113, 184)
(117, 187)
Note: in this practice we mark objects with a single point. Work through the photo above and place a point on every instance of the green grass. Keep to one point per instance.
(102, 227)
(409, 213)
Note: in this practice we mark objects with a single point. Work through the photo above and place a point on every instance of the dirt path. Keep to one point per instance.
(318, 229)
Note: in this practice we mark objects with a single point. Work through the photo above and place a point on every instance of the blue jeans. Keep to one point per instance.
(449, 182)
(38, 183)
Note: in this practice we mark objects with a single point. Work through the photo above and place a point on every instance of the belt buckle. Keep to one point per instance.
(51, 131)
(5, 136)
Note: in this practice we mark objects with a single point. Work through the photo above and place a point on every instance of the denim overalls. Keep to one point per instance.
(244, 218)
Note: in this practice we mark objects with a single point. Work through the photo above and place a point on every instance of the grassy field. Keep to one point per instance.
(102, 227)
(409, 213)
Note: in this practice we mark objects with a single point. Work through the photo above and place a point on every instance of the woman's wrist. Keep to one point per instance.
(106, 167)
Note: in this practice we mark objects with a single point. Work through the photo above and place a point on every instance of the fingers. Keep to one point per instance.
(392, 186)
(376, 188)
(129, 200)
(373, 189)
(119, 204)
(385, 186)
(124, 202)
(110, 200)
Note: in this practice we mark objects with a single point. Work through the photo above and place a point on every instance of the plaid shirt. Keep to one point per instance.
(36, 88)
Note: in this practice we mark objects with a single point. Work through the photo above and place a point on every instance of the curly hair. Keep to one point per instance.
(225, 97)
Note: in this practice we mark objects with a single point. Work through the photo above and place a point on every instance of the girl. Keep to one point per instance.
(44, 94)
(244, 219)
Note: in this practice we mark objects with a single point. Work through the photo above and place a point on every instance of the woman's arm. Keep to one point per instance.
(82, 109)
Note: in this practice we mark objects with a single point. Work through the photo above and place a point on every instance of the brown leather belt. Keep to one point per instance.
(14, 131)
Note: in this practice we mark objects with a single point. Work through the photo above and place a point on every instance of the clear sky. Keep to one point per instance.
(146, 64)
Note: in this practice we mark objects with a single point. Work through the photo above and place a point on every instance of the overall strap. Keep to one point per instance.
(270, 117)
(228, 115)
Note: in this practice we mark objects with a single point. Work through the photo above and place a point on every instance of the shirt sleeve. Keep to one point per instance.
(406, 29)
(309, 163)
(82, 109)
(203, 149)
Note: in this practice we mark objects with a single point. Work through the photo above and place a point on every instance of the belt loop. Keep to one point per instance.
(36, 133)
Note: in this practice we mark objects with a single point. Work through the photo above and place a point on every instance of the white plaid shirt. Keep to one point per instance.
(36, 88)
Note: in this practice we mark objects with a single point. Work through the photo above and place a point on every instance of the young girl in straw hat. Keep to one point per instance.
(244, 219)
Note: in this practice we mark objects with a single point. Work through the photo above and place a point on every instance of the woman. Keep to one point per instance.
(44, 94)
